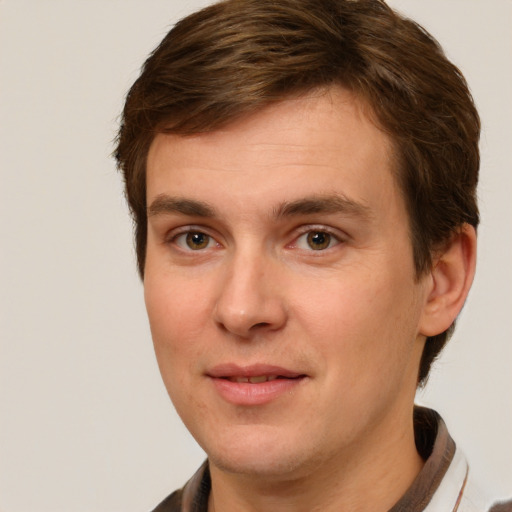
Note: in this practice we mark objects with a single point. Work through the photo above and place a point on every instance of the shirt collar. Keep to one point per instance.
(437, 448)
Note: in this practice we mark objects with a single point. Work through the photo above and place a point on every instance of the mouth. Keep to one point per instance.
(259, 378)
(253, 374)
(254, 385)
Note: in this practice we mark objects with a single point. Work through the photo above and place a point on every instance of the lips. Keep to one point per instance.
(254, 380)
(253, 385)
(233, 371)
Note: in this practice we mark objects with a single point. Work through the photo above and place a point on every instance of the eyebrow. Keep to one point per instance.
(334, 203)
(164, 204)
(324, 204)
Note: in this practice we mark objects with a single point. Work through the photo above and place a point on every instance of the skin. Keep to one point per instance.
(249, 287)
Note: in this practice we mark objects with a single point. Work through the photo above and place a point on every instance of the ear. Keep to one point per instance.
(449, 282)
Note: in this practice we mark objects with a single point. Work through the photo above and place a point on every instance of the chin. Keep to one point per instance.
(277, 467)
(260, 455)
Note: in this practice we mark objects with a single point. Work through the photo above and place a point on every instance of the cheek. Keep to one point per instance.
(177, 320)
(364, 336)
(175, 306)
(360, 322)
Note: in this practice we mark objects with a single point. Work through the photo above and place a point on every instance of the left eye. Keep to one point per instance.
(316, 240)
(194, 240)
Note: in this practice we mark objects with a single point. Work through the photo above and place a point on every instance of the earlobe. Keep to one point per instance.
(450, 280)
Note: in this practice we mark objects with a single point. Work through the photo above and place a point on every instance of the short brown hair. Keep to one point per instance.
(237, 56)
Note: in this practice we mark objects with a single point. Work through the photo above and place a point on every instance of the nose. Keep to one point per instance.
(250, 300)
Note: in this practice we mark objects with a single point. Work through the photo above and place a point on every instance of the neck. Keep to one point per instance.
(371, 476)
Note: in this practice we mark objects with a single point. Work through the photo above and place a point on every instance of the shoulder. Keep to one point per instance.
(446, 476)
(193, 497)
(473, 498)
(172, 503)
(504, 506)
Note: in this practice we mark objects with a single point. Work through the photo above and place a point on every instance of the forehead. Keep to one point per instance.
(322, 141)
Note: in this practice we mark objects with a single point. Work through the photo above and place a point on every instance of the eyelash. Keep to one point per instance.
(191, 230)
(334, 238)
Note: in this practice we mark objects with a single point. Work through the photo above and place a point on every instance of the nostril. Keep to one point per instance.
(260, 325)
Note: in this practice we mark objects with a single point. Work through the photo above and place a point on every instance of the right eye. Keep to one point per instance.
(316, 240)
(194, 241)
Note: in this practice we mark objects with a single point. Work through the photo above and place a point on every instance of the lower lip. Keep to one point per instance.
(245, 393)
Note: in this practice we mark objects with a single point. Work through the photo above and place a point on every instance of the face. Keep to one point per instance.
(280, 286)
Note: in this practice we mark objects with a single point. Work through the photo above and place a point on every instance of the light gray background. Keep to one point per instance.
(85, 423)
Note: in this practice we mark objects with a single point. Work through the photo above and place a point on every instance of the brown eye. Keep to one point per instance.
(197, 240)
(318, 240)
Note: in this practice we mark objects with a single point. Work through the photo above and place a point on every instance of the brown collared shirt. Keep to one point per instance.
(441, 486)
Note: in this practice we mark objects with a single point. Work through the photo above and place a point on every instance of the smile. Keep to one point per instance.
(254, 385)
(254, 380)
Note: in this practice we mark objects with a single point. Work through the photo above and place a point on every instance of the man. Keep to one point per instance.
(303, 179)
